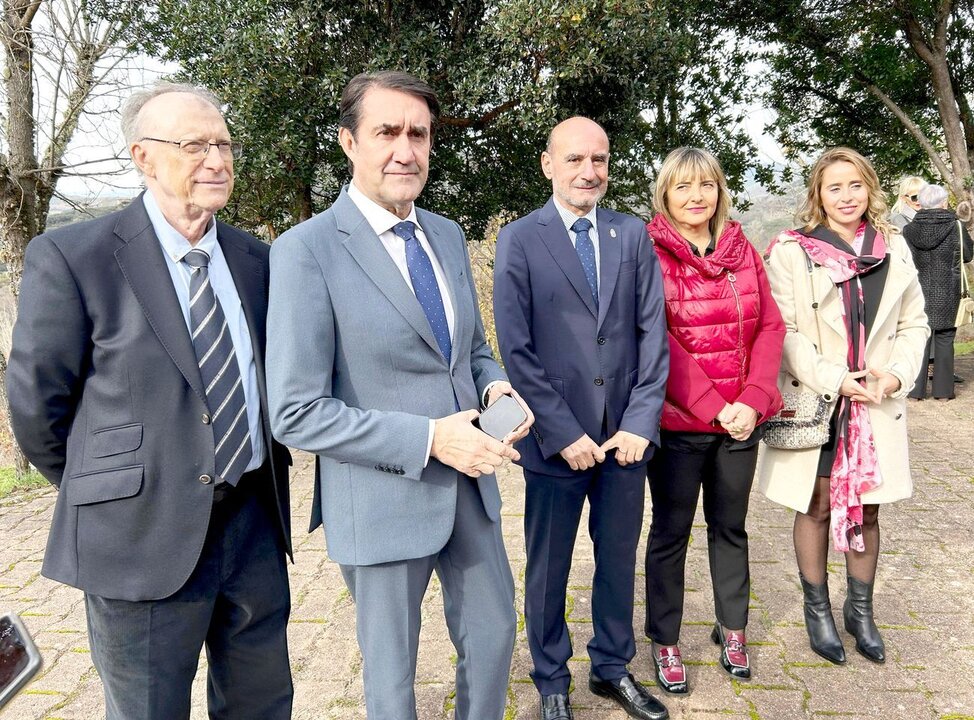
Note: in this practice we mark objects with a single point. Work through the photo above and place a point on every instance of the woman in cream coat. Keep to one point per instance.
(845, 273)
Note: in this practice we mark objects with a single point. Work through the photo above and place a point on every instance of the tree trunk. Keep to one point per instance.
(18, 205)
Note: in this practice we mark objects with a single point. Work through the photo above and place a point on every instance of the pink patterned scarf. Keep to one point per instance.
(856, 467)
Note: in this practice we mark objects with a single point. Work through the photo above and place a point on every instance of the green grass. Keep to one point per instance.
(963, 348)
(9, 483)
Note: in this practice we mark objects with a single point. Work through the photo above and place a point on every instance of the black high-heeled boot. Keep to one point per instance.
(858, 615)
(822, 633)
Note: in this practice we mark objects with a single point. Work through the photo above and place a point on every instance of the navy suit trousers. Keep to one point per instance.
(553, 508)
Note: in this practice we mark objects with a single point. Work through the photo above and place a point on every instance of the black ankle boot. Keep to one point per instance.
(822, 634)
(858, 615)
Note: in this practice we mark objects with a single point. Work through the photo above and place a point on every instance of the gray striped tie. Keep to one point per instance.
(221, 376)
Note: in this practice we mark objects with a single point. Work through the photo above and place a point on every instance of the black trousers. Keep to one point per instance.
(684, 464)
(236, 602)
(552, 510)
(943, 366)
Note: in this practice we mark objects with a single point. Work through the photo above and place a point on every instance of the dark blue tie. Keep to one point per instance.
(424, 285)
(220, 373)
(586, 253)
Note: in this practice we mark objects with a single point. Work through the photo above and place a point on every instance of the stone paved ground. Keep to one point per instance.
(925, 599)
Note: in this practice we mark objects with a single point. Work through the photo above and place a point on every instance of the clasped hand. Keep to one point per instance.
(738, 420)
(886, 385)
(584, 453)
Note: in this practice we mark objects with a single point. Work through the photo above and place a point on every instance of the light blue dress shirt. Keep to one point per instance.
(175, 247)
(569, 218)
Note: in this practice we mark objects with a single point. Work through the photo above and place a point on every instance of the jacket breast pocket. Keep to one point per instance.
(115, 440)
(105, 485)
(627, 266)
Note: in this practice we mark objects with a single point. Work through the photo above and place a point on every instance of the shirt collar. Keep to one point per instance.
(569, 218)
(378, 218)
(174, 245)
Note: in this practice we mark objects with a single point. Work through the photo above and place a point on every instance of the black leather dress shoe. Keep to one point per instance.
(631, 696)
(556, 707)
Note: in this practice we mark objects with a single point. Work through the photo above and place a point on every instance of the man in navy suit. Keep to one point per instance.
(578, 305)
(136, 385)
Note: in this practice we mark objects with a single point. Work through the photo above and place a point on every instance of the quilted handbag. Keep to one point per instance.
(802, 422)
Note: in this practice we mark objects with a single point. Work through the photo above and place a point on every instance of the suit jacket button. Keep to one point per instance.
(601, 340)
(206, 479)
(795, 383)
(599, 381)
(828, 398)
(206, 419)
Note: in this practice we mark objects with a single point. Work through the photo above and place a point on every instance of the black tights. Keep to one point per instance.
(812, 539)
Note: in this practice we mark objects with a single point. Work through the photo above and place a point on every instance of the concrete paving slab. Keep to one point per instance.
(924, 604)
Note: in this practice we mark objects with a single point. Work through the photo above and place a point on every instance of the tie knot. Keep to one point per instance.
(582, 225)
(406, 230)
(196, 259)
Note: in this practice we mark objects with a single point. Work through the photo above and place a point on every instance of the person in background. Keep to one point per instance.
(907, 203)
(725, 337)
(935, 237)
(853, 310)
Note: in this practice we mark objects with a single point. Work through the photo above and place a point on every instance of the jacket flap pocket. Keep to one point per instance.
(116, 440)
(105, 485)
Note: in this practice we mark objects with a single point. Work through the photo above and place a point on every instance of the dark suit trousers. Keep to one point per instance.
(553, 508)
(685, 463)
(942, 343)
(236, 602)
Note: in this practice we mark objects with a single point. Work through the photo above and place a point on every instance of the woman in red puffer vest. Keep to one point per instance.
(726, 336)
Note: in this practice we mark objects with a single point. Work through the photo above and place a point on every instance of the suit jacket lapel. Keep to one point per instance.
(247, 272)
(445, 251)
(555, 238)
(610, 256)
(144, 267)
(366, 248)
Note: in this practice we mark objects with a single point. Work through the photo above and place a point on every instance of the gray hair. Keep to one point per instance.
(932, 196)
(133, 106)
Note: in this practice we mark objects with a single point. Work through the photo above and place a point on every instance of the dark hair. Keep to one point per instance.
(351, 104)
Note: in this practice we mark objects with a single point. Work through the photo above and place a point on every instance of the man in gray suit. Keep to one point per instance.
(377, 363)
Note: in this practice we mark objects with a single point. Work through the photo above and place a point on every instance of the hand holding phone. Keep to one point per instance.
(501, 418)
(19, 658)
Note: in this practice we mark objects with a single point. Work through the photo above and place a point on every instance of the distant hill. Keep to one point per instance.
(62, 213)
(769, 214)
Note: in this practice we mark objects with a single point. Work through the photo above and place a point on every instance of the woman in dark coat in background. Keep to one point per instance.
(933, 239)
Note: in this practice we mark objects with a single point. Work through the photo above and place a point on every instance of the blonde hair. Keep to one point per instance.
(909, 185)
(690, 163)
(811, 214)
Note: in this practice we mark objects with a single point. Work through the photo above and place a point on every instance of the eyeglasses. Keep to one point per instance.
(199, 148)
(912, 198)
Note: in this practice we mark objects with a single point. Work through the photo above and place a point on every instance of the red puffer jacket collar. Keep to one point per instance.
(725, 330)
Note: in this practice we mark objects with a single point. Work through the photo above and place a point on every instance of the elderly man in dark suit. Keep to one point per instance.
(377, 363)
(136, 386)
(578, 304)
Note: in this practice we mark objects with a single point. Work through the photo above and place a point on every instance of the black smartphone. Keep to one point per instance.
(501, 418)
(19, 659)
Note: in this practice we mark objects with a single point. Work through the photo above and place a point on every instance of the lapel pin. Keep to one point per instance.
(612, 232)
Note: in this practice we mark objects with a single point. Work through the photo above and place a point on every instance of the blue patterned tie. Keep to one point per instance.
(586, 253)
(425, 286)
(220, 373)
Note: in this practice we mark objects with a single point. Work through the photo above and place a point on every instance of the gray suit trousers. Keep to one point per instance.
(478, 599)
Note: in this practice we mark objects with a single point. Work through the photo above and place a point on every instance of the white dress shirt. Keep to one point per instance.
(174, 248)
